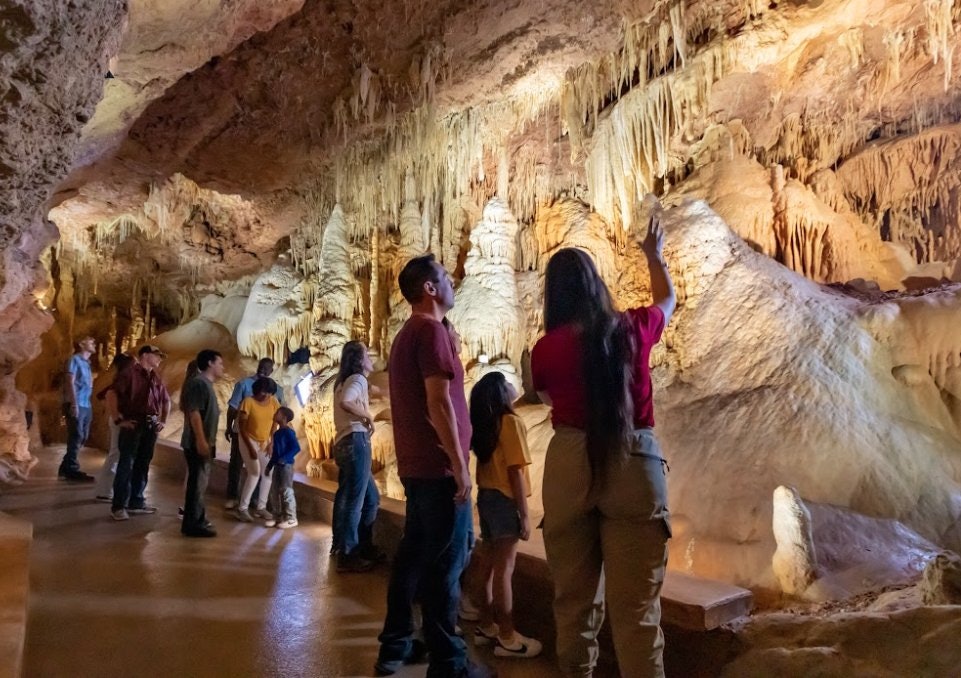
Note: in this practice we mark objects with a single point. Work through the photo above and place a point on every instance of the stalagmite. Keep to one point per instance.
(330, 328)
(941, 583)
(794, 561)
(487, 312)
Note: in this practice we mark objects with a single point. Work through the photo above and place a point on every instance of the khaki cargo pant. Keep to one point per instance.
(611, 548)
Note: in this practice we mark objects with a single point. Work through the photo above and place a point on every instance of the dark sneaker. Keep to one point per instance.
(76, 477)
(354, 563)
(373, 553)
(200, 532)
(417, 655)
(141, 510)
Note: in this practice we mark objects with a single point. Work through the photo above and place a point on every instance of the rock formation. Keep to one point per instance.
(795, 559)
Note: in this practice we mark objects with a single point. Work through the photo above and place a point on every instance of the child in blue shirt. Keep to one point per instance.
(281, 465)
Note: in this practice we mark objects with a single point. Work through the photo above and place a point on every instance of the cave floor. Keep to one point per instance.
(136, 598)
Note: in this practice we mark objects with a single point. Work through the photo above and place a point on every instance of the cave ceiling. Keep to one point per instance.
(243, 108)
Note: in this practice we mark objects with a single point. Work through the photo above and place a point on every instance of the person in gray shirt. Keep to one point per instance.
(201, 414)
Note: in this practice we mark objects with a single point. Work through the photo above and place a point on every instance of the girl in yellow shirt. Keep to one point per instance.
(503, 484)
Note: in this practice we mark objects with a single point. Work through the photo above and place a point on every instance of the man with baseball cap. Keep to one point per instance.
(144, 403)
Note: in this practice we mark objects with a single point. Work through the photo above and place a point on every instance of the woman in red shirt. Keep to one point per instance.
(605, 490)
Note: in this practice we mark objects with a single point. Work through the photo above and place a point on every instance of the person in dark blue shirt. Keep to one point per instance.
(281, 465)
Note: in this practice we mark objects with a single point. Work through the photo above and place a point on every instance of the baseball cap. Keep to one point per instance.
(150, 348)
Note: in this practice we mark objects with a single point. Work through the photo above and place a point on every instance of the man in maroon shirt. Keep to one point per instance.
(144, 403)
(432, 437)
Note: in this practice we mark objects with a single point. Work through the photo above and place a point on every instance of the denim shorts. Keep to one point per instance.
(499, 518)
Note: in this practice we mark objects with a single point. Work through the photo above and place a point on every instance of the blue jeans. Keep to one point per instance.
(78, 428)
(429, 562)
(282, 499)
(357, 499)
(136, 451)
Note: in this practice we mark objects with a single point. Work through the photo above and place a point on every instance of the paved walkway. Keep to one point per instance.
(137, 599)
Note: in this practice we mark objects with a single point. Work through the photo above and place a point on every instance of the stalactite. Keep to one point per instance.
(853, 41)
(909, 187)
(629, 149)
(940, 27)
(894, 41)
(412, 244)
(275, 320)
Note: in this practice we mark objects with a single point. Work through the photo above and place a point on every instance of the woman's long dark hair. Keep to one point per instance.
(574, 293)
(351, 361)
(490, 400)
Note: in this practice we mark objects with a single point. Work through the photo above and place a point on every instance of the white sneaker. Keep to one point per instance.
(467, 611)
(484, 636)
(270, 522)
(244, 516)
(521, 647)
(286, 524)
(120, 514)
(231, 504)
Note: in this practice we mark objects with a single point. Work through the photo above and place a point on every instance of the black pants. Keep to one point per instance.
(198, 472)
(136, 452)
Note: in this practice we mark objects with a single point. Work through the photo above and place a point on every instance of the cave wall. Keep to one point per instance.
(53, 57)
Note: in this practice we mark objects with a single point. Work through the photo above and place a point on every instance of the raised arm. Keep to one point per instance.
(662, 287)
(440, 409)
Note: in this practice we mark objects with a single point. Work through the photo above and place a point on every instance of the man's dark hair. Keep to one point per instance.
(265, 385)
(287, 413)
(416, 272)
(205, 358)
